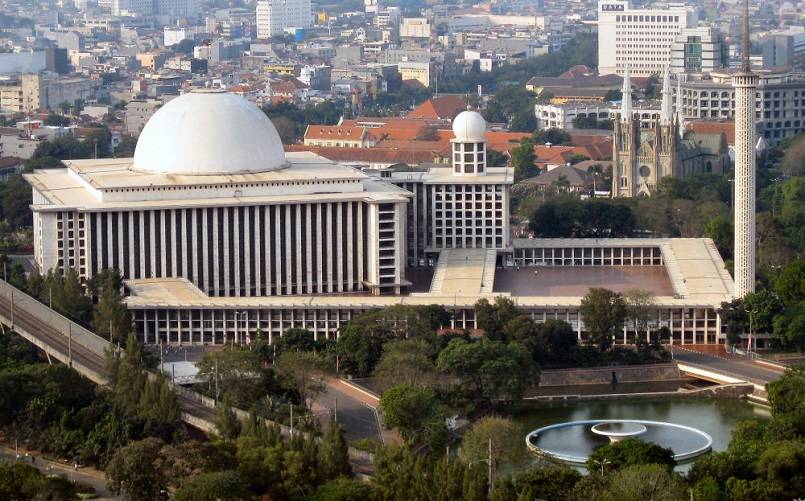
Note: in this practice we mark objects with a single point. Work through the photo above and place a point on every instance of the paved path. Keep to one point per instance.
(87, 475)
(356, 411)
(717, 360)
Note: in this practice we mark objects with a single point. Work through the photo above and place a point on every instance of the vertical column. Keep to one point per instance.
(216, 270)
(309, 253)
(288, 250)
(329, 245)
(205, 249)
(278, 249)
(143, 243)
(236, 256)
(163, 248)
(152, 242)
(174, 224)
(350, 251)
(247, 251)
(227, 254)
(339, 243)
(298, 244)
(258, 258)
(195, 263)
(319, 263)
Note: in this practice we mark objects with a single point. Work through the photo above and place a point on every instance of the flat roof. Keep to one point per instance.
(63, 188)
(695, 276)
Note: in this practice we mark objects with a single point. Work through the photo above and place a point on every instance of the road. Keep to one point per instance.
(357, 420)
(57, 341)
(88, 476)
(728, 365)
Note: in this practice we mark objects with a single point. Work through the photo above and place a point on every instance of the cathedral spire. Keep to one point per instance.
(626, 99)
(680, 115)
(666, 112)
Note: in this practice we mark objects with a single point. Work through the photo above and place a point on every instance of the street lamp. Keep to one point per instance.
(488, 461)
(601, 463)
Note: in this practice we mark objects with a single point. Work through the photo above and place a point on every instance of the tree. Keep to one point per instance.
(333, 453)
(495, 158)
(506, 435)
(110, 312)
(302, 372)
(415, 413)
(227, 425)
(20, 481)
(134, 471)
(488, 369)
(296, 339)
(234, 372)
(523, 160)
(603, 312)
(787, 393)
(790, 283)
(789, 326)
(558, 336)
(492, 318)
(639, 308)
(428, 133)
(344, 489)
(792, 212)
(645, 481)
(553, 136)
(213, 486)
(720, 229)
(629, 452)
(547, 482)
(407, 361)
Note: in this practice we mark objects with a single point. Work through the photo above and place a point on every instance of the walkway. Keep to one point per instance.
(87, 475)
(358, 411)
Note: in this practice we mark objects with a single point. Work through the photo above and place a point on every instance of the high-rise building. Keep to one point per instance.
(745, 83)
(638, 38)
(275, 16)
(699, 50)
(784, 49)
(172, 8)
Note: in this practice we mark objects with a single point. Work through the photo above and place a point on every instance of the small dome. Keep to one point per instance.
(469, 126)
(207, 132)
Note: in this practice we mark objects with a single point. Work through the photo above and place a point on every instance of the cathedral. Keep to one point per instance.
(641, 157)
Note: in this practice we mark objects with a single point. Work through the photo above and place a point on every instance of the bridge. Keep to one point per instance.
(68, 342)
(713, 363)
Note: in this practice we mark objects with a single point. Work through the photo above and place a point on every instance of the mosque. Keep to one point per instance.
(219, 233)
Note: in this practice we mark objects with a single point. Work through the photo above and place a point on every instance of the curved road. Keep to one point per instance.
(728, 365)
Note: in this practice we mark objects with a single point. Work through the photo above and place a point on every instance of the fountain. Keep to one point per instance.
(573, 442)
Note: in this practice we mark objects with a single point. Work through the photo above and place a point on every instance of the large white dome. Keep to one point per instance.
(208, 132)
(469, 126)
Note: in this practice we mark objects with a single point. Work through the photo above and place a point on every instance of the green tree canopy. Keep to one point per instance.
(629, 452)
(603, 312)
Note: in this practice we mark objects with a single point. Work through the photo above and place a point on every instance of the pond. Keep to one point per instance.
(716, 417)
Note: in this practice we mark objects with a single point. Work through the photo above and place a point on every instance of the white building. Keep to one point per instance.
(463, 205)
(172, 8)
(699, 50)
(638, 38)
(563, 116)
(172, 36)
(219, 233)
(415, 27)
(275, 16)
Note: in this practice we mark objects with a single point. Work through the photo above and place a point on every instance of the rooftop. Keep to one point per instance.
(693, 275)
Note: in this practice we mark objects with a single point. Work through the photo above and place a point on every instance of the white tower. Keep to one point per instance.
(469, 145)
(666, 112)
(626, 98)
(745, 83)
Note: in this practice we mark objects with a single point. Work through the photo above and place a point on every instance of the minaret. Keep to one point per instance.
(626, 98)
(666, 111)
(745, 83)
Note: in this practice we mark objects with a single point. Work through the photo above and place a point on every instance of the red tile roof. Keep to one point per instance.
(713, 127)
(368, 155)
(442, 108)
(324, 132)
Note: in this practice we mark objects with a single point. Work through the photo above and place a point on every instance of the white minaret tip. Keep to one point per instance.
(666, 112)
(626, 99)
